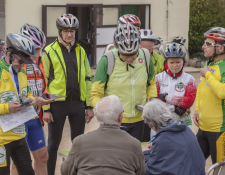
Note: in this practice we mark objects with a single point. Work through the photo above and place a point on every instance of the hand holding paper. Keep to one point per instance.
(14, 106)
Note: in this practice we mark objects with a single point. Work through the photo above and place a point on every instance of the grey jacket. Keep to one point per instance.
(105, 151)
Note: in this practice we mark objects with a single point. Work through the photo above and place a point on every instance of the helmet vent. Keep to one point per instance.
(29, 32)
(23, 43)
(29, 45)
(65, 22)
(135, 44)
(145, 33)
(129, 20)
(121, 46)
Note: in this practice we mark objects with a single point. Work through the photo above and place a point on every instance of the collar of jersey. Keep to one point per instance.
(174, 75)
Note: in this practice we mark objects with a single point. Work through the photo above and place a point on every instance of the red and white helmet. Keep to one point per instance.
(67, 21)
(129, 18)
(127, 38)
(217, 34)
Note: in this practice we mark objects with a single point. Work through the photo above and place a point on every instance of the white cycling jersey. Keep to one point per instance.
(181, 91)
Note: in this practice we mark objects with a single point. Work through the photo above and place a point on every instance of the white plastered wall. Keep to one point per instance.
(19, 12)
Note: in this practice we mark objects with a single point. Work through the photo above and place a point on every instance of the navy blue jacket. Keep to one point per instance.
(175, 151)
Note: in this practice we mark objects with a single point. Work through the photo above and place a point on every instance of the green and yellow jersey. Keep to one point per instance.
(131, 83)
(210, 98)
(8, 93)
(158, 62)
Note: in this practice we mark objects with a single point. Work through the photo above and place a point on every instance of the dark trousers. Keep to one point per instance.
(134, 129)
(146, 135)
(212, 144)
(20, 154)
(76, 114)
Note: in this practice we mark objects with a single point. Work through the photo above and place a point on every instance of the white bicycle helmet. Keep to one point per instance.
(67, 21)
(174, 50)
(21, 43)
(36, 34)
(147, 34)
(127, 38)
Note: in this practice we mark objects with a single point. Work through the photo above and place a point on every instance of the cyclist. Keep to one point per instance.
(129, 80)
(128, 18)
(68, 73)
(13, 83)
(210, 100)
(174, 86)
(148, 39)
(37, 82)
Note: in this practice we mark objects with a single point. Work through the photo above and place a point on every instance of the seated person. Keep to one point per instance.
(175, 149)
(107, 150)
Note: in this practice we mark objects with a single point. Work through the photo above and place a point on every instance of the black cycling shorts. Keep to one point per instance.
(19, 152)
(212, 143)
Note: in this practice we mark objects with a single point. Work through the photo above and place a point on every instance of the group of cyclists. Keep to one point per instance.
(129, 69)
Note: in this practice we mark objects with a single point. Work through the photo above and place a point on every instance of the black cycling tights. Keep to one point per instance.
(212, 143)
(134, 129)
(20, 154)
(76, 115)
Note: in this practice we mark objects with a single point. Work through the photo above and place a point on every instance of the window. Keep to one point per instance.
(107, 16)
(141, 11)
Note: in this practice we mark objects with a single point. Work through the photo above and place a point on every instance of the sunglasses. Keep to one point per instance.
(130, 55)
(209, 44)
(20, 61)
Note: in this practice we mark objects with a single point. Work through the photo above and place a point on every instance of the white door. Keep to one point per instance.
(105, 22)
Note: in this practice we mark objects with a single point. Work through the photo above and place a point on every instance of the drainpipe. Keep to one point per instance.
(167, 20)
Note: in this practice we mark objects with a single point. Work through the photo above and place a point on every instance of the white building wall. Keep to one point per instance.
(19, 12)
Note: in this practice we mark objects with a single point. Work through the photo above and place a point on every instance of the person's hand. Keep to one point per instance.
(144, 148)
(41, 101)
(163, 97)
(89, 115)
(204, 70)
(33, 102)
(188, 111)
(196, 118)
(15, 106)
(149, 146)
(180, 111)
(48, 117)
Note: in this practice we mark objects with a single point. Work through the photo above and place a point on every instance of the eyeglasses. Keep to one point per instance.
(134, 55)
(72, 32)
(209, 44)
(20, 61)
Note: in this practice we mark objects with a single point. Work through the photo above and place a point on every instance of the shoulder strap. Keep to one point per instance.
(110, 67)
(147, 58)
(111, 62)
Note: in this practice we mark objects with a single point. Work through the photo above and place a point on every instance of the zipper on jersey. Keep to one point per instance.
(201, 99)
(133, 92)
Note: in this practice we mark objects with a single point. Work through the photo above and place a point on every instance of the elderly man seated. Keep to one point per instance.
(107, 150)
(175, 149)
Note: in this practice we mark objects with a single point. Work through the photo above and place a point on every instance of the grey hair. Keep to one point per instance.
(108, 110)
(157, 114)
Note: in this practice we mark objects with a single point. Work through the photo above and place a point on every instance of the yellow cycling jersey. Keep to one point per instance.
(8, 93)
(210, 98)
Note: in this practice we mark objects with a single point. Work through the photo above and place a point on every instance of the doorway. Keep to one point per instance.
(84, 33)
